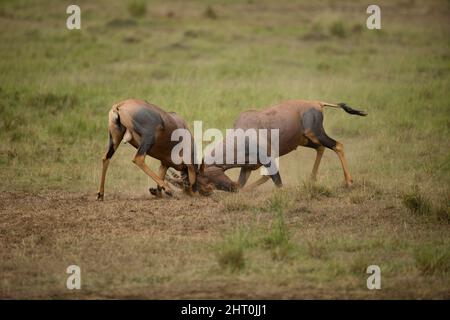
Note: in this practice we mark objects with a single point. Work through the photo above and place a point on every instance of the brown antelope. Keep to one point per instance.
(300, 123)
(149, 129)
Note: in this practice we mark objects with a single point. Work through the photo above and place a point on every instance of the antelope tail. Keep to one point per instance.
(345, 107)
(114, 116)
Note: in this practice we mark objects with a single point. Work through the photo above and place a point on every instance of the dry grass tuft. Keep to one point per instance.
(432, 260)
(416, 203)
(315, 191)
(210, 13)
(137, 8)
(230, 252)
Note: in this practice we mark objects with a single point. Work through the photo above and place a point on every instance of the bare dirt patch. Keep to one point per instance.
(141, 247)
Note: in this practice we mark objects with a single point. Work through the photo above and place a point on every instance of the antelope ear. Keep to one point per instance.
(202, 167)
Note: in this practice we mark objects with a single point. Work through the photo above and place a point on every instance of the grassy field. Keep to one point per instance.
(209, 61)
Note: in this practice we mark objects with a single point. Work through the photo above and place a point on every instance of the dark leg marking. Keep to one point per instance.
(111, 148)
(311, 144)
(243, 177)
(105, 163)
(147, 141)
(276, 178)
(312, 121)
(146, 144)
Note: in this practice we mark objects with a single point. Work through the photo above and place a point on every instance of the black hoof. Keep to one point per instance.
(154, 191)
(99, 196)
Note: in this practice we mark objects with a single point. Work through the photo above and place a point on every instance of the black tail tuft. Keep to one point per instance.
(351, 110)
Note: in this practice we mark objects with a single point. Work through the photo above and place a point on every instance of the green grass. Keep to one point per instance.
(277, 203)
(314, 190)
(230, 253)
(57, 85)
(277, 238)
(278, 235)
(419, 204)
(337, 29)
(416, 202)
(443, 213)
(317, 250)
(433, 260)
(137, 8)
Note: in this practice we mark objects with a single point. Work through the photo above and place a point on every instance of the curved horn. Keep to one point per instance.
(202, 166)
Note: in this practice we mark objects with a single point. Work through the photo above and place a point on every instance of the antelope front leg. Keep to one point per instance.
(243, 177)
(162, 174)
(114, 141)
(139, 160)
(192, 178)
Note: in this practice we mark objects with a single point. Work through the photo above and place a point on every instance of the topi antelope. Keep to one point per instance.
(300, 123)
(149, 128)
